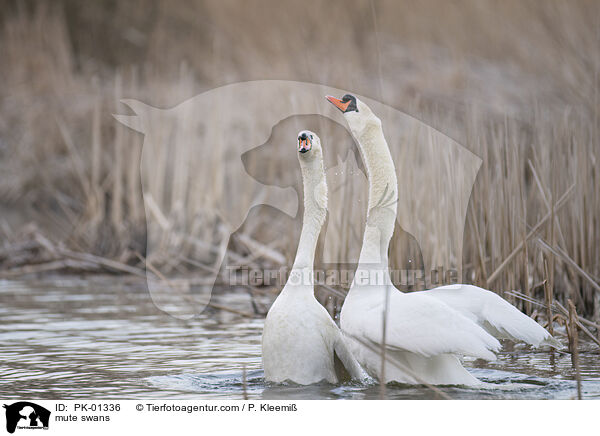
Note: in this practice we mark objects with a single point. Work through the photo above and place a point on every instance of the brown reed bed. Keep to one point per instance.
(515, 83)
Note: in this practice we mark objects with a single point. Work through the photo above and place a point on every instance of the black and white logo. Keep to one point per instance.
(26, 415)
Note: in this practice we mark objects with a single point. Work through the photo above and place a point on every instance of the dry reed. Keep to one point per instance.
(523, 94)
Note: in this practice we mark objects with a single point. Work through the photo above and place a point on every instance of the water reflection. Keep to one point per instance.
(102, 339)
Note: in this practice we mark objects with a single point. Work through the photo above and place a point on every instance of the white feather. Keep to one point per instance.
(496, 315)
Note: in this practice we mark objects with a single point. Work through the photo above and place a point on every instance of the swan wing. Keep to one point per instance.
(421, 324)
(496, 315)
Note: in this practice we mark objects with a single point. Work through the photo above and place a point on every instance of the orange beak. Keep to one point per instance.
(338, 103)
(304, 145)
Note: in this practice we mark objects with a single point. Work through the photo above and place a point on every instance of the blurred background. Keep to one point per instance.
(515, 82)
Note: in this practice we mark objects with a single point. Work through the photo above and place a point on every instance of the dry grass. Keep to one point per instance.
(517, 83)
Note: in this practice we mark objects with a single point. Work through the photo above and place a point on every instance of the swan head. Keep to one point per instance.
(310, 156)
(309, 145)
(347, 104)
(356, 113)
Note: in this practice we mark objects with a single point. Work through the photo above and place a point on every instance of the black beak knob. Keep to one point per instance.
(303, 137)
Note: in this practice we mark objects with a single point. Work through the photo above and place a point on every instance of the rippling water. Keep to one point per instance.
(102, 339)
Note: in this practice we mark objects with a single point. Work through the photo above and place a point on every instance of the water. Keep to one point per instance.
(102, 339)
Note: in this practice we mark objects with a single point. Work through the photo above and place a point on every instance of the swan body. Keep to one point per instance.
(425, 332)
(423, 336)
(300, 342)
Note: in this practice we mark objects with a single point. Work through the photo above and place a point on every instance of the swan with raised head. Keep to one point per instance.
(300, 342)
(425, 332)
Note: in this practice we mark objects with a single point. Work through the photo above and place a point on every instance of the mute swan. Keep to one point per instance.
(300, 342)
(425, 331)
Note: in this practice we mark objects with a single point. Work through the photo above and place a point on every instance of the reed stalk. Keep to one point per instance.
(549, 297)
(574, 344)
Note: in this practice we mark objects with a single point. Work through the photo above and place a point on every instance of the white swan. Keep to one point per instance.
(426, 331)
(300, 342)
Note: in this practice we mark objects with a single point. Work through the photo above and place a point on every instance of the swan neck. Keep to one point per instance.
(315, 211)
(383, 194)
